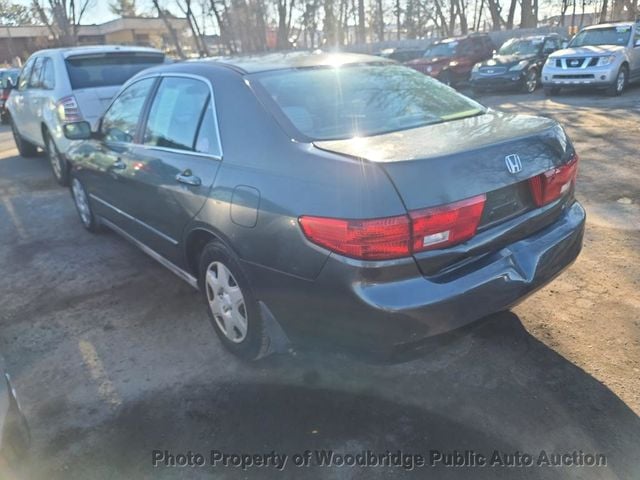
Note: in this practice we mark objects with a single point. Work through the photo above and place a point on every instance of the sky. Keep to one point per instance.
(99, 11)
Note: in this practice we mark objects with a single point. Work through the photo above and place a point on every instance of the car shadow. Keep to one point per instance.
(496, 388)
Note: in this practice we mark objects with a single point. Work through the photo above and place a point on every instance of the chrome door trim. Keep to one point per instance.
(206, 81)
(186, 276)
(132, 218)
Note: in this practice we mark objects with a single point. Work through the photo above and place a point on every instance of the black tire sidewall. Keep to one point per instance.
(93, 226)
(25, 149)
(64, 169)
(254, 344)
(525, 87)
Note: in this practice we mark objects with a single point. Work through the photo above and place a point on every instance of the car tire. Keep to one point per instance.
(530, 83)
(232, 308)
(83, 206)
(551, 91)
(4, 118)
(25, 148)
(58, 164)
(622, 79)
(446, 78)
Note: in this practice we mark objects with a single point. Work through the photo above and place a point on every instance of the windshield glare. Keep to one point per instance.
(602, 36)
(362, 100)
(520, 47)
(441, 50)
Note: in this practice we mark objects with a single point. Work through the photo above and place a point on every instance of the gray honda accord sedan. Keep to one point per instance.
(330, 199)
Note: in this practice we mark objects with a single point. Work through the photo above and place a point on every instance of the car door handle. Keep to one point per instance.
(188, 178)
(119, 165)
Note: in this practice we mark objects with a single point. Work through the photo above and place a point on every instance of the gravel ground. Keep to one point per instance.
(113, 356)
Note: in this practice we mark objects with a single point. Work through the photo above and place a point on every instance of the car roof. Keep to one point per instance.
(609, 25)
(462, 37)
(291, 60)
(67, 52)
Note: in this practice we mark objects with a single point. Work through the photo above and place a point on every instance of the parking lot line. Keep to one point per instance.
(6, 201)
(96, 369)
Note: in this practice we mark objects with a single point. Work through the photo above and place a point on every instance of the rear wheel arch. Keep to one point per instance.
(194, 244)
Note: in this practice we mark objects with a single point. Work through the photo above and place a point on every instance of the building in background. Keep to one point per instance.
(20, 42)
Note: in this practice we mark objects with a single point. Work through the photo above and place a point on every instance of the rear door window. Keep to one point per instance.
(25, 74)
(36, 73)
(48, 81)
(108, 69)
(120, 122)
(176, 114)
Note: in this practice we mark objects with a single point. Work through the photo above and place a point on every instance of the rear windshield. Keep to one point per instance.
(361, 100)
(602, 36)
(109, 69)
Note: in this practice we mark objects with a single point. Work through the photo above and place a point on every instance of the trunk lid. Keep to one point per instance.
(94, 101)
(444, 163)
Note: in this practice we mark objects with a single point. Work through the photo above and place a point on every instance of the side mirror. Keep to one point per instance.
(565, 44)
(77, 131)
(637, 44)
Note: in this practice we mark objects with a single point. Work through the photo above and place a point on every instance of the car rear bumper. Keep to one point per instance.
(384, 310)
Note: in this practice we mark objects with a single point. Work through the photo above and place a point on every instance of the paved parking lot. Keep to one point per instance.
(113, 355)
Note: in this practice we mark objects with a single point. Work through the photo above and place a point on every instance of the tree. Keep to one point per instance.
(124, 8)
(12, 14)
(172, 32)
(62, 17)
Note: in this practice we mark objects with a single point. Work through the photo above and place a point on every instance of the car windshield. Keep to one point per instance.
(110, 69)
(447, 49)
(362, 100)
(602, 36)
(520, 47)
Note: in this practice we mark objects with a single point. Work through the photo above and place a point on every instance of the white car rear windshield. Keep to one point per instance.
(359, 100)
(108, 69)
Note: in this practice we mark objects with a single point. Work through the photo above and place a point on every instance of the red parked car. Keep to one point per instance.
(452, 59)
(8, 79)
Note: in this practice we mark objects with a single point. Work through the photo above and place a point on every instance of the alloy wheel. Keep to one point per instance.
(54, 158)
(531, 81)
(81, 201)
(226, 302)
(621, 80)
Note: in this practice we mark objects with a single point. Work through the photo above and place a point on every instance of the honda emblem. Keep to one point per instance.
(514, 165)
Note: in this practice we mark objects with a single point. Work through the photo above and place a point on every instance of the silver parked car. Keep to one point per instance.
(605, 55)
(65, 85)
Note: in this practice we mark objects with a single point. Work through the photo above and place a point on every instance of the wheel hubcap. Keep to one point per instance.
(81, 200)
(531, 82)
(226, 302)
(54, 159)
(621, 79)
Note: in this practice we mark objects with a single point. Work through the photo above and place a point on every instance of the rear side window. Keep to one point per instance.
(47, 81)
(176, 114)
(36, 74)
(121, 120)
(108, 69)
(25, 74)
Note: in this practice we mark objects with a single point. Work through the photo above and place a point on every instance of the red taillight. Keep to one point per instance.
(68, 109)
(377, 239)
(447, 225)
(550, 185)
(395, 237)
